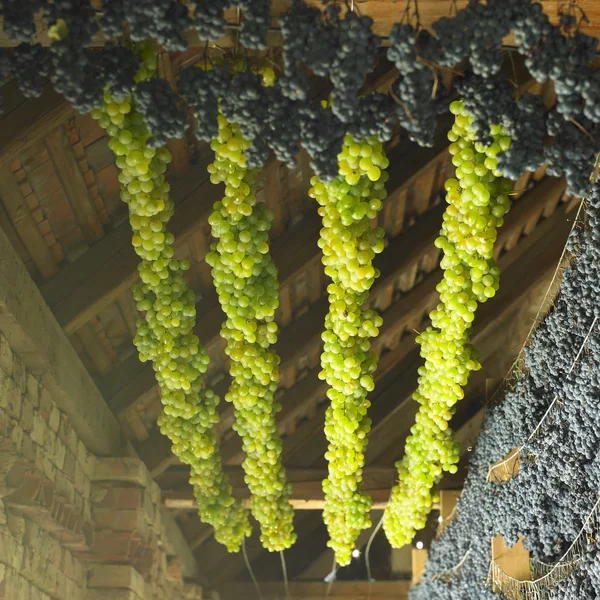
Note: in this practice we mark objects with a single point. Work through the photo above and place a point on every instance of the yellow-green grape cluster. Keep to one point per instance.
(349, 244)
(478, 199)
(246, 281)
(165, 333)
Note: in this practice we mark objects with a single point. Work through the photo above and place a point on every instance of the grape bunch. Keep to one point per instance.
(349, 244)
(551, 502)
(160, 105)
(266, 117)
(246, 281)
(477, 202)
(202, 87)
(168, 315)
(30, 65)
(421, 98)
(18, 18)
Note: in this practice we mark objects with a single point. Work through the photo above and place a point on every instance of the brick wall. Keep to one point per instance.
(73, 526)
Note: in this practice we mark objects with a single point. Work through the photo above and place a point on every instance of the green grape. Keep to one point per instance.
(349, 244)
(478, 199)
(165, 330)
(246, 282)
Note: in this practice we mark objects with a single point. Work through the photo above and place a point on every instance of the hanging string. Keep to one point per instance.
(518, 451)
(285, 576)
(368, 550)
(332, 578)
(447, 575)
(443, 524)
(250, 569)
(367, 557)
(532, 590)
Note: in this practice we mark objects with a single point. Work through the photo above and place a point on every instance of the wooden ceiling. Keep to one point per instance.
(60, 207)
(383, 12)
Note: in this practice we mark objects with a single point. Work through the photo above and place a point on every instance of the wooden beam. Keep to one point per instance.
(307, 487)
(514, 561)
(383, 12)
(186, 501)
(76, 190)
(191, 569)
(86, 286)
(419, 558)
(30, 122)
(295, 251)
(22, 221)
(312, 590)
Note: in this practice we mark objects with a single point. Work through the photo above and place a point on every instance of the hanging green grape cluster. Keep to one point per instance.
(165, 333)
(349, 244)
(246, 281)
(478, 199)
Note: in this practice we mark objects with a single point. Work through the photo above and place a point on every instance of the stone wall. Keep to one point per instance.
(74, 526)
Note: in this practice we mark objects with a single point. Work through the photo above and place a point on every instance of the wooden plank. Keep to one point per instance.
(72, 181)
(22, 221)
(30, 122)
(448, 501)
(157, 456)
(509, 469)
(310, 590)
(467, 434)
(15, 240)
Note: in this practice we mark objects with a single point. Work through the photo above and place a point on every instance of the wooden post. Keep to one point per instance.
(512, 561)
(448, 500)
(419, 557)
